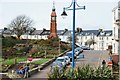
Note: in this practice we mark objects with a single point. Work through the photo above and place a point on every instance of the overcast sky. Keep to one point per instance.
(98, 14)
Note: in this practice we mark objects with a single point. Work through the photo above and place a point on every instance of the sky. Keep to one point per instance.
(98, 14)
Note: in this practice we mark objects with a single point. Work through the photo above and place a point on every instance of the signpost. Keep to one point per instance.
(110, 64)
(30, 58)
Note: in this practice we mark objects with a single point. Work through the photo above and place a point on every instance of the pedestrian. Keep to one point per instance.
(103, 63)
(26, 75)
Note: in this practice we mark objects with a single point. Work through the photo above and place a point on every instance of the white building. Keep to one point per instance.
(102, 39)
(116, 29)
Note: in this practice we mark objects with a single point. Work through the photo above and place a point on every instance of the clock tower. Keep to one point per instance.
(53, 24)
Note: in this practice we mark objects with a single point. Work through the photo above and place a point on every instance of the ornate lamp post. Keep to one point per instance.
(74, 3)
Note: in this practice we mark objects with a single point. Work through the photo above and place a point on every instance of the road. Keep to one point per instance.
(92, 57)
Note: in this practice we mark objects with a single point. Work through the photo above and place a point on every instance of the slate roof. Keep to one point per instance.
(37, 32)
(89, 32)
(68, 32)
(106, 33)
(95, 33)
(45, 32)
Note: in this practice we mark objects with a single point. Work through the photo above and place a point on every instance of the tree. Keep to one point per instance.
(70, 39)
(79, 30)
(89, 42)
(21, 25)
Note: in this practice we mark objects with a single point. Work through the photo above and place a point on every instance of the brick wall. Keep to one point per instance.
(115, 58)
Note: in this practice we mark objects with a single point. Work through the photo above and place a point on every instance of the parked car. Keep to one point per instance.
(85, 48)
(78, 50)
(67, 59)
(62, 59)
(57, 64)
(69, 54)
(80, 56)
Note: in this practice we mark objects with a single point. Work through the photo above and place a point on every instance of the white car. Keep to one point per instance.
(67, 59)
(62, 59)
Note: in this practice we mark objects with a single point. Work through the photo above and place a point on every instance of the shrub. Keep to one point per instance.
(84, 73)
(8, 42)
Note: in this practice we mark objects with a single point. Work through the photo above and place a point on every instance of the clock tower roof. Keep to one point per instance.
(53, 10)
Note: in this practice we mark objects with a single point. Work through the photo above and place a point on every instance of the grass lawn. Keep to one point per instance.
(1, 59)
(41, 61)
(11, 61)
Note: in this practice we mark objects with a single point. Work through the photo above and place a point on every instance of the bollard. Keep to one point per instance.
(39, 68)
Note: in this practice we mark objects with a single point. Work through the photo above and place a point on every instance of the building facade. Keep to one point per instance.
(116, 29)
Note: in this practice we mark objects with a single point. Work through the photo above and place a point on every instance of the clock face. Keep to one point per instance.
(53, 18)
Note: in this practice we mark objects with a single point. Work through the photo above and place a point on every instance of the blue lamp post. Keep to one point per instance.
(74, 3)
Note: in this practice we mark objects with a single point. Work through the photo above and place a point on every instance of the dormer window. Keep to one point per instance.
(108, 34)
(102, 33)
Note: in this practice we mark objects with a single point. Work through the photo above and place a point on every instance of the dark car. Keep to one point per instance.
(57, 64)
(85, 48)
(69, 54)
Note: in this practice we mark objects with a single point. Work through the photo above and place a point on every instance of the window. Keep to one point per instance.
(85, 37)
(93, 37)
(114, 31)
(26, 36)
(107, 38)
(102, 45)
(45, 36)
(35, 36)
(81, 37)
(102, 38)
(81, 43)
(106, 44)
(99, 38)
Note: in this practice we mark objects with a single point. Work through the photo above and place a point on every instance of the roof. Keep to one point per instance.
(88, 32)
(95, 33)
(66, 32)
(36, 32)
(106, 33)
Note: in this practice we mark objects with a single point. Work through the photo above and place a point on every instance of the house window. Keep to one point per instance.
(99, 38)
(81, 43)
(85, 37)
(35, 36)
(102, 38)
(30, 36)
(93, 37)
(107, 38)
(26, 36)
(102, 45)
(114, 31)
(45, 36)
(81, 37)
(106, 44)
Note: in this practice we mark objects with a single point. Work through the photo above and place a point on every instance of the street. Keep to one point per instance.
(92, 57)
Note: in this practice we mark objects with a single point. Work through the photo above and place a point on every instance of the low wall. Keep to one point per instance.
(115, 59)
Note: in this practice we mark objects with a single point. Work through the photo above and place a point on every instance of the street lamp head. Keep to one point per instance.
(84, 7)
(64, 14)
